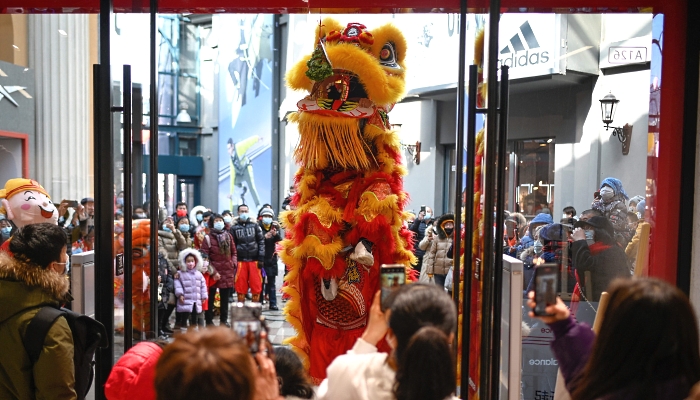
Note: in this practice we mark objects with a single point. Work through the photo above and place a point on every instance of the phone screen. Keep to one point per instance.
(392, 276)
(245, 321)
(250, 332)
(546, 279)
(71, 203)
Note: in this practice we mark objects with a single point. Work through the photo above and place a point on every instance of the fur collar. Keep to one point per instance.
(197, 256)
(33, 276)
(441, 222)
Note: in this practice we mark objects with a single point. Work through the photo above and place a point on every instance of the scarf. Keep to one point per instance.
(598, 247)
(224, 241)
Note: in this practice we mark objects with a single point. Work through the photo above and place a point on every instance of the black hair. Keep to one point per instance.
(569, 210)
(39, 244)
(291, 373)
(422, 318)
(649, 335)
(242, 205)
(213, 217)
(230, 141)
(181, 203)
(226, 212)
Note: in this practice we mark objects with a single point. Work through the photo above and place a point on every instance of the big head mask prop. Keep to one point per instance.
(26, 202)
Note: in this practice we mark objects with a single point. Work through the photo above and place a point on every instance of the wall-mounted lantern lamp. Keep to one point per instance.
(624, 134)
(413, 150)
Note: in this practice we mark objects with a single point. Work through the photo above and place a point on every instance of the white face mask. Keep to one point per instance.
(607, 193)
(589, 237)
(537, 246)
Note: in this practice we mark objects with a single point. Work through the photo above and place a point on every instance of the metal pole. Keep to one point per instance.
(153, 146)
(468, 230)
(459, 157)
(489, 200)
(498, 242)
(128, 261)
(103, 195)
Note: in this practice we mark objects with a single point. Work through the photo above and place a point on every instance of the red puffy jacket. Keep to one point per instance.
(133, 376)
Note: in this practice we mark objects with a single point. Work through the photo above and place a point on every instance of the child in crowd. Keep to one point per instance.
(190, 287)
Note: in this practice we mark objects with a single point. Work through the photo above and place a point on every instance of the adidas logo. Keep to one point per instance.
(516, 54)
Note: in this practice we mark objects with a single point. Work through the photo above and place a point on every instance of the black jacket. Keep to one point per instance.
(166, 280)
(270, 263)
(249, 239)
(418, 227)
(604, 266)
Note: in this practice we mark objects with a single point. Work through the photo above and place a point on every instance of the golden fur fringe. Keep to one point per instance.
(330, 142)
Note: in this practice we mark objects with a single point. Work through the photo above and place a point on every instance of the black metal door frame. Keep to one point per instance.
(104, 193)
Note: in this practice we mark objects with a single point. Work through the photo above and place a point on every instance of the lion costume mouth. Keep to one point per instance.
(46, 213)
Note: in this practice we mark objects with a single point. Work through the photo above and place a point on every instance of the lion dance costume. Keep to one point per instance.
(349, 205)
(140, 272)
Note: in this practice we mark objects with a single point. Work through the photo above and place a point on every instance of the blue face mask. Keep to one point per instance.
(267, 220)
(185, 227)
(243, 217)
(228, 219)
(199, 217)
(219, 226)
(428, 215)
(120, 201)
(6, 231)
(165, 228)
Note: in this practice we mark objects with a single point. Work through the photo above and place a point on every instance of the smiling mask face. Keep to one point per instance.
(28, 203)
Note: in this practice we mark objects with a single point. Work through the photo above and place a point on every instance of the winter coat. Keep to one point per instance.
(418, 228)
(428, 258)
(439, 248)
(166, 279)
(270, 263)
(572, 346)
(604, 262)
(169, 242)
(224, 264)
(190, 283)
(24, 288)
(133, 375)
(250, 242)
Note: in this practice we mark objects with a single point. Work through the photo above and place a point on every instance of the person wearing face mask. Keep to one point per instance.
(168, 244)
(271, 231)
(183, 235)
(594, 249)
(219, 248)
(140, 213)
(611, 201)
(5, 229)
(33, 278)
(418, 227)
(228, 219)
(250, 246)
(439, 248)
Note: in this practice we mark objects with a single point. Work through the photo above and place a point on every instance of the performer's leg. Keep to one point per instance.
(241, 280)
(255, 278)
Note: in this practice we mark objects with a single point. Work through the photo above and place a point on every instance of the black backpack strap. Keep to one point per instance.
(38, 328)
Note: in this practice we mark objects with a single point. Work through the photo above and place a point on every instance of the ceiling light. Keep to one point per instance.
(549, 140)
(62, 32)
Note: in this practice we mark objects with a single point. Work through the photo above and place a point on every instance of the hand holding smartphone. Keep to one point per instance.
(546, 282)
(246, 322)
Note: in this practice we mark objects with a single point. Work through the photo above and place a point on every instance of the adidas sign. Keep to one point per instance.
(518, 54)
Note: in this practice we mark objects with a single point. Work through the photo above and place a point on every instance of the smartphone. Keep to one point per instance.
(546, 282)
(71, 203)
(422, 209)
(391, 277)
(247, 323)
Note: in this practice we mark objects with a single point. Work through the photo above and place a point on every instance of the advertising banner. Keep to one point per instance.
(245, 110)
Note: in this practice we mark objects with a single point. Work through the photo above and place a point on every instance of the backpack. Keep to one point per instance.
(88, 335)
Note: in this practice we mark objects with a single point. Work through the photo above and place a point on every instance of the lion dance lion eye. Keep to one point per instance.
(387, 56)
